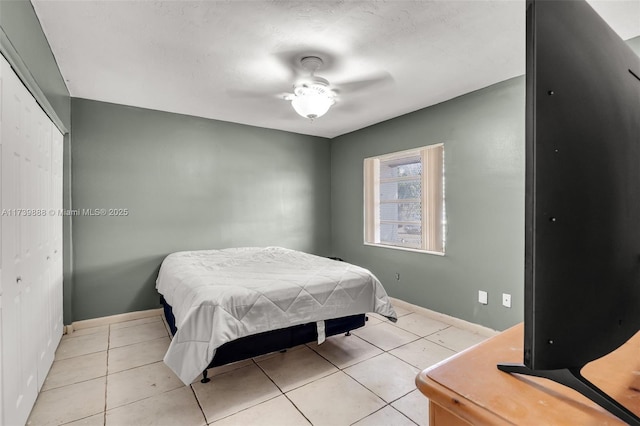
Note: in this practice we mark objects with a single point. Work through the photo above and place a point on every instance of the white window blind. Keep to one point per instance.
(404, 199)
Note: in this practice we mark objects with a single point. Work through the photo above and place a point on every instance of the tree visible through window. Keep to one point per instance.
(404, 199)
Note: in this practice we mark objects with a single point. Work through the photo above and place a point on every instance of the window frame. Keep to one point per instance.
(433, 213)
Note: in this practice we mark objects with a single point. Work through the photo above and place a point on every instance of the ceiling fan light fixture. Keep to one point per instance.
(312, 101)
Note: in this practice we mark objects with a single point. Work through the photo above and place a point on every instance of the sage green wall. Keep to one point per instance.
(24, 44)
(188, 183)
(483, 136)
(634, 43)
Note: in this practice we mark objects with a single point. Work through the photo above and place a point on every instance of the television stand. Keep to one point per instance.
(468, 389)
(573, 379)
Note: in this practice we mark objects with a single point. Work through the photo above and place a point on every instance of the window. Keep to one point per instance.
(404, 200)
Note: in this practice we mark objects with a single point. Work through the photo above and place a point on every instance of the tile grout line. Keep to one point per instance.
(71, 337)
(139, 343)
(137, 366)
(386, 404)
(260, 403)
(268, 377)
(106, 378)
(448, 326)
(143, 399)
(296, 407)
(407, 362)
(78, 356)
(70, 384)
(195, 395)
(382, 408)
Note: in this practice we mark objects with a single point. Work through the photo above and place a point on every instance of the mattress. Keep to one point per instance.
(221, 295)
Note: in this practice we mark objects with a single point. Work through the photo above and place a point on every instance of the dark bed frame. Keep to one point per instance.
(270, 341)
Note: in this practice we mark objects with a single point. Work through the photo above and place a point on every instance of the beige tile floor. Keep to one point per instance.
(114, 375)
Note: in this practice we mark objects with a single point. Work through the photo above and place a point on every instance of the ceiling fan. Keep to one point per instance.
(313, 95)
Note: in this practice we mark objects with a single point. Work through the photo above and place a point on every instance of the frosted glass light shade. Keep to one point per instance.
(311, 105)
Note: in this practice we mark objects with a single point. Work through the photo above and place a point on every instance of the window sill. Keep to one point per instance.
(436, 253)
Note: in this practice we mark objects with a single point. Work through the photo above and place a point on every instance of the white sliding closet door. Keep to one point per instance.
(31, 263)
(19, 175)
(55, 289)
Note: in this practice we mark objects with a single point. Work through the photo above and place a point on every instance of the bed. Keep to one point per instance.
(232, 304)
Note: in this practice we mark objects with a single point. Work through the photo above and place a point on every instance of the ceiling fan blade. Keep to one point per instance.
(375, 80)
(256, 94)
(241, 93)
(346, 107)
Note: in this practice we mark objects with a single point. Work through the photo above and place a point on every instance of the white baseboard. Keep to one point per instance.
(97, 322)
(456, 322)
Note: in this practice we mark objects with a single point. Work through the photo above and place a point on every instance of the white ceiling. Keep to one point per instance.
(228, 60)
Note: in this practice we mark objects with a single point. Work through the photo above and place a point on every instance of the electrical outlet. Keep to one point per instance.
(483, 297)
(506, 300)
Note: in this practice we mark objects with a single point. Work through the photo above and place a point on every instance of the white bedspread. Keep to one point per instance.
(221, 295)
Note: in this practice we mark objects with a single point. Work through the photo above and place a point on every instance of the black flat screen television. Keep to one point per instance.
(582, 236)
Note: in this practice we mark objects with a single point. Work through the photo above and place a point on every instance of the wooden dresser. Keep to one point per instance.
(469, 389)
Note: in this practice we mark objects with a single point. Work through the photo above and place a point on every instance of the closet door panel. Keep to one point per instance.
(32, 271)
(21, 272)
(42, 222)
(57, 152)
